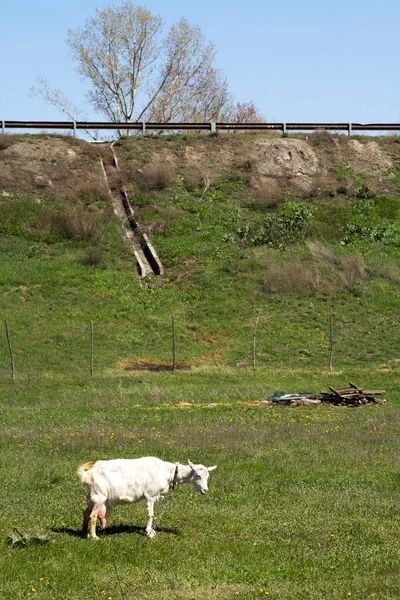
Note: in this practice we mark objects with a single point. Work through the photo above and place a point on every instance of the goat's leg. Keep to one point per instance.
(86, 516)
(93, 520)
(150, 514)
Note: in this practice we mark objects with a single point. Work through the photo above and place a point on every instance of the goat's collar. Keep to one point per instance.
(175, 479)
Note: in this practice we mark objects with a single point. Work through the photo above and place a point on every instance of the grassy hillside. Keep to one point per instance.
(304, 503)
(236, 244)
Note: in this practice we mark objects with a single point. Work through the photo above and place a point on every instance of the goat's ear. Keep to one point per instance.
(211, 468)
(191, 465)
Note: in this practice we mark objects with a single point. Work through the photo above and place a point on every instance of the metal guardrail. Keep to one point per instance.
(212, 126)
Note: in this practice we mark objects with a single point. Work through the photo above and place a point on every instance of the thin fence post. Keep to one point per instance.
(143, 127)
(349, 130)
(11, 351)
(173, 345)
(254, 343)
(91, 349)
(330, 344)
(74, 123)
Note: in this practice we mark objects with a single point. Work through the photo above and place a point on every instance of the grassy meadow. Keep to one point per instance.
(305, 501)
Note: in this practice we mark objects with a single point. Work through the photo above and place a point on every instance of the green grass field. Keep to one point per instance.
(305, 502)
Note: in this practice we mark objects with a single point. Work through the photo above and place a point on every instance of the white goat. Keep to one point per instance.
(120, 481)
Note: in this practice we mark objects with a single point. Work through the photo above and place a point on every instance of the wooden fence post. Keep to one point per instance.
(91, 348)
(254, 343)
(11, 351)
(330, 344)
(173, 345)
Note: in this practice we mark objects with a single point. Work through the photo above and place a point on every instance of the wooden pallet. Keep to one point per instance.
(353, 396)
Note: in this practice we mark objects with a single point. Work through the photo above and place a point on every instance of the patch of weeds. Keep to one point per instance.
(92, 191)
(374, 219)
(156, 177)
(20, 539)
(363, 192)
(248, 165)
(6, 140)
(284, 227)
(120, 141)
(342, 171)
(69, 224)
(93, 255)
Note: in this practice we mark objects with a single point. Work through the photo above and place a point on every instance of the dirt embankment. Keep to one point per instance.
(65, 166)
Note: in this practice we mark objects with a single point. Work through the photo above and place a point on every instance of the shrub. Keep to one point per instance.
(68, 224)
(285, 227)
(93, 255)
(321, 137)
(156, 176)
(267, 193)
(92, 191)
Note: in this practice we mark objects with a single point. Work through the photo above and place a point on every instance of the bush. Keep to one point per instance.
(267, 193)
(68, 224)
(285, 227)
(92, 191)
(156, 176)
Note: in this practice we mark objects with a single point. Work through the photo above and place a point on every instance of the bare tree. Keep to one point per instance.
(56, 98)
(117, 51)
(189, 87)
(136, 73)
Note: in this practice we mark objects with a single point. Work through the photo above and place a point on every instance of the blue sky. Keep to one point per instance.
(298, 61)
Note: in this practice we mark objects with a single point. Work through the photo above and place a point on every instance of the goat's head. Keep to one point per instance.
(200, 477)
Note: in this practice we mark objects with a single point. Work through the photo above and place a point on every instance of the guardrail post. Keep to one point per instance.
(144, 127)
(284, 128)
(213, 127)
(74, 128)
(3, 127)
(349, 130)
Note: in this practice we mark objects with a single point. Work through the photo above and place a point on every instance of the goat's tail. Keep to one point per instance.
(82, 471)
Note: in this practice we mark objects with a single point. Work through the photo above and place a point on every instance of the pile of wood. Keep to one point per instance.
(352, 396)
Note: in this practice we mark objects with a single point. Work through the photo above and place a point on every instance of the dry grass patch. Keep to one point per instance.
(153, 177)
(92, 190)
(319, 269)
(267, 192)
(7, 139)
(68, 224)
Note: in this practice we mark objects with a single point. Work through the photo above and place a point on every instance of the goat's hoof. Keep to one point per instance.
(151, 533)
